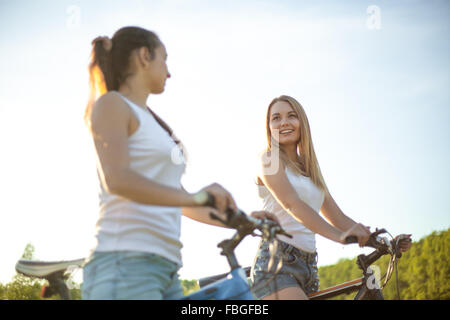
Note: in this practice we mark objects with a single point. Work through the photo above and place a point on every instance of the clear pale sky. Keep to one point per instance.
(373, 77)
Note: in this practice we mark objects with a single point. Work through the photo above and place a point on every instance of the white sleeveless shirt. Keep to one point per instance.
(125, 225)
(308, 192)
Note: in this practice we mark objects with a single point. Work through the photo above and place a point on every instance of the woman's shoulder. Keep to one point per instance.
(109, 105)
(110, 98)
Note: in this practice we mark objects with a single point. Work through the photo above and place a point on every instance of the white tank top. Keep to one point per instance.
(125, 225)
(308, 192)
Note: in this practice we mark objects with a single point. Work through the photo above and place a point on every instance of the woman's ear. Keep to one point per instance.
(143, 56)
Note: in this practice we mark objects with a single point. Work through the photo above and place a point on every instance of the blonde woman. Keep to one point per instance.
(292, 187)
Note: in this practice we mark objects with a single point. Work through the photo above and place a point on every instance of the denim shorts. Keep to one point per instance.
(297, 268)
(129, 275)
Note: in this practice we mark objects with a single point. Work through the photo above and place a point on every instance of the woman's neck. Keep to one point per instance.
(135, 91)
(291, 152)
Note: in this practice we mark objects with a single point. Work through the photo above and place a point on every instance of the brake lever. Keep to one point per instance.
(379, 231)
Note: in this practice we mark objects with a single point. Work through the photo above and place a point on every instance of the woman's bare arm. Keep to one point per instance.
(201, 214)
(280, 187)
(110, 118)
(334, 214)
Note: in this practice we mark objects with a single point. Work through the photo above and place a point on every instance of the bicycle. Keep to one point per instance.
(234, 286)
(368, 286)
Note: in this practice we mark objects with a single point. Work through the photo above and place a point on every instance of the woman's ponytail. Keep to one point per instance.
(100, 69)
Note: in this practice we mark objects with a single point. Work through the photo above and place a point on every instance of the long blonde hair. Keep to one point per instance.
(307, 165)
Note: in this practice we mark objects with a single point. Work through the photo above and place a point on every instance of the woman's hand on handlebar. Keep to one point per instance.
(264, 214)
(404, 241)
(361, 232)
(222, 198)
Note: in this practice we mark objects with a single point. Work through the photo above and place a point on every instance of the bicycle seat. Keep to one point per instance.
(42, 269)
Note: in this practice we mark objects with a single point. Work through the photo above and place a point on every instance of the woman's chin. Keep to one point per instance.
(287, 142)
(157, 91)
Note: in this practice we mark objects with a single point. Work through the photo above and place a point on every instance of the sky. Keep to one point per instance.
(372, 76)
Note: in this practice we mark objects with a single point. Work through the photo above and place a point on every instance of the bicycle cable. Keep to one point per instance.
(396, 267)
(393, 263)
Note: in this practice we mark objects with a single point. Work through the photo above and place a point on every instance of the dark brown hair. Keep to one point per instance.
(110, 66)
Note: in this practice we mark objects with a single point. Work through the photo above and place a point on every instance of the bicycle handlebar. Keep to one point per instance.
(246, 224)
(239, 220)
(383, 246)
(374, 240)
(382, 243)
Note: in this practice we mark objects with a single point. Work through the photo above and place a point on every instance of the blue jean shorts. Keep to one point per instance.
(129, 275)
(297, 268)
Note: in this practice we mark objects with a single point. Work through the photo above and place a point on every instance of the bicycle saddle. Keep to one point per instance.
(42, 269)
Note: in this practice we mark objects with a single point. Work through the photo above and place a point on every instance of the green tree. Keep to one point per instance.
(22, 287)
(189, 286)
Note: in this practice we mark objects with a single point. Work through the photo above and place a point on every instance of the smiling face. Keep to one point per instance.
(284, 123)
(287, 124)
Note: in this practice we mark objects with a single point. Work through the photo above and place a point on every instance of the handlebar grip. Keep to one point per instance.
(211, 202)
(351, 239)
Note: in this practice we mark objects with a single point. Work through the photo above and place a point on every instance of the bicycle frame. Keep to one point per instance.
(360, 285)
(364, 293)
(367, 286)
(234, 287)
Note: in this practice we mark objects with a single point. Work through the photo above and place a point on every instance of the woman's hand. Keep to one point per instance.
(361, 232)
(404, 242)
(264, 214)
(223, 199)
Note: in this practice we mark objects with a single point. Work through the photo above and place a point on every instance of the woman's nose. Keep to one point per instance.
(283, 122)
